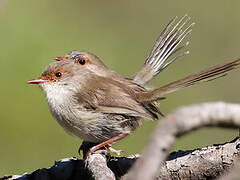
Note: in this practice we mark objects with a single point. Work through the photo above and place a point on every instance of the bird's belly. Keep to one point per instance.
(76, 125)
(69, 115)
(95, 127)
(90, 126)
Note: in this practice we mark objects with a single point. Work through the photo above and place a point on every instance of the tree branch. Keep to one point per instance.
(208, 162)
(97, 164)
(177, 124)
(233, 174)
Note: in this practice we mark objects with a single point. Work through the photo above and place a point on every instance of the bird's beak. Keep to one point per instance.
(59, 58)
(37, 81)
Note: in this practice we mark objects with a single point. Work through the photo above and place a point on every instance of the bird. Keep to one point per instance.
(101, 106)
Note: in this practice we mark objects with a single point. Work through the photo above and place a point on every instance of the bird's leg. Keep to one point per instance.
(112, 150)
(85, 147)
(106, 144)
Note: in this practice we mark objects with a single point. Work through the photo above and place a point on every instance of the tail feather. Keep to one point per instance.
(203, 76)
(165, 46)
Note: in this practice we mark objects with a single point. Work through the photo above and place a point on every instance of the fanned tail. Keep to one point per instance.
(203, 76)
(165, 46)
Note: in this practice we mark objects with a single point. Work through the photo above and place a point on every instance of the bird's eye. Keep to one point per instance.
(58, 74)
(82, 61)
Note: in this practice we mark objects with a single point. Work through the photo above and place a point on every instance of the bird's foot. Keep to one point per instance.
(114, 151)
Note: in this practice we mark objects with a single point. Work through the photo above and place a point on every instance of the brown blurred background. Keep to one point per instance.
(121, 33)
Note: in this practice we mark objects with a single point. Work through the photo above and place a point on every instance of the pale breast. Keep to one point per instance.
(90, 126)
(67, 113)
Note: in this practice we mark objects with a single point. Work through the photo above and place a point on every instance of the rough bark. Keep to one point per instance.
(233, 174)
(177, 124)
(205, 163)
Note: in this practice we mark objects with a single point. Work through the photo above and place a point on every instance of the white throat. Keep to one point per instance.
(57, 95)
(71, 118)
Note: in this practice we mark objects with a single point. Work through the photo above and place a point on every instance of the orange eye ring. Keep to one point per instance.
(58, 74)
(82, 61)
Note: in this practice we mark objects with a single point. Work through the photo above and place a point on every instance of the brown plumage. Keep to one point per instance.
(99, 105)
(203, 76)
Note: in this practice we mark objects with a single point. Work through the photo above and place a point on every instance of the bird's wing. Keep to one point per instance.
(109, 96)
(166, 45)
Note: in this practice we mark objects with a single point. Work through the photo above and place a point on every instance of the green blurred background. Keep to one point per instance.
(121, 33)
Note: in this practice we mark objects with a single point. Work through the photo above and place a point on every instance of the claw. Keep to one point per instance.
(112, 150)
(118, 152)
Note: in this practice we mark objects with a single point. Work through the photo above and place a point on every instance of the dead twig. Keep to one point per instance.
(177, 124)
